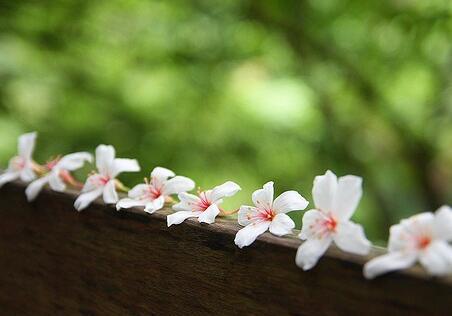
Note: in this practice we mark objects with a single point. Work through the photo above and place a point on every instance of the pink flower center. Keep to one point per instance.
(104, 180)
(99, 180)
(331, 224)
(204, 203)
(423, 242)
(324, 226)
(267, 215)
(154, 192)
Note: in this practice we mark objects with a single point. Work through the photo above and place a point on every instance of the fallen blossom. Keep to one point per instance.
(268, 214)
(21, 166)
(104, 182)
(205, 206)
(58, 173)
(152, 195)
(423, 237)
(335, 202)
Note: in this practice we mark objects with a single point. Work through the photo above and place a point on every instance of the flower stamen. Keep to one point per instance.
(267, 215)
(423, 242)
(204, 202)
(52, 163)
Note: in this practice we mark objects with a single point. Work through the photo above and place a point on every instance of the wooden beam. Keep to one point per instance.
(54, 260)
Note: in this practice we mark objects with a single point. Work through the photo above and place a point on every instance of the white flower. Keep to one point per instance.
(21, 166)
(423, 237)
(335, 202)
(205, 206)
(152, 195)
(104, 182)
(59, 173)
(268, 214)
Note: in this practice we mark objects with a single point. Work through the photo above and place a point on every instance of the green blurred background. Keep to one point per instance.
(248, 91)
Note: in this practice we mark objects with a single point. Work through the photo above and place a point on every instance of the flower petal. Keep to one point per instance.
(124, 165)
(247, 235)
(324, 191)
(443, 223)
(437, 258)
(227, 189)
(188, 202)
(177, 185)
(419, 223)
(26, 145)
(74, 161)
(179, 217)
(138, 191)
(348, 195)
(35, 187)
(128, 203)
(27, 174)
(397, 238)
(153, 206)
(310, 228)
(105, 155)
(350, 237)
(91, 183)
(162, 173)
(55, 181)
(8, 177)
(389, 262)
(85, 199)
(289, 201)
(208, 216)
(263, 198)
(310, 252)
(247, 215)
(281, 225)
(404, 236)
(109, 194)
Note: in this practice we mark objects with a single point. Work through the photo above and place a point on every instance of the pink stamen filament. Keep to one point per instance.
(154, 192)
(67, 177)
(331, 224)
(323, 227)
(51, 164)
(100, 180)
(204, 203)
(262, 215)
(104, 180)
(267, 215)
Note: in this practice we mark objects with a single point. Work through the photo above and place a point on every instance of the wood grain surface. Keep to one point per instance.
(56, 261)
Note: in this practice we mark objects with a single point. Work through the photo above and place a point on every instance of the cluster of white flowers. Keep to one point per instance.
(424, 237)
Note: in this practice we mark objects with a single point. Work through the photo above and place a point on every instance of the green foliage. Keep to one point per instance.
(249, 91)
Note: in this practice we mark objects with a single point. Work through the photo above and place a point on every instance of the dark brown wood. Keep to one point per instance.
(56, 261)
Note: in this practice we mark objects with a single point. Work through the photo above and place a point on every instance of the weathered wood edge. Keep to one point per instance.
(229, 226)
